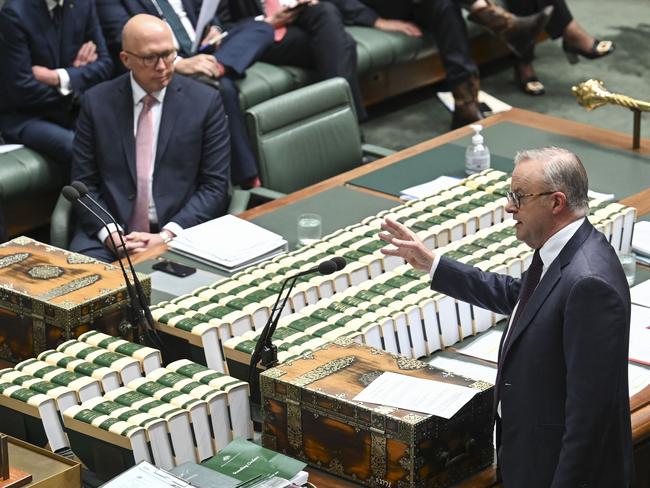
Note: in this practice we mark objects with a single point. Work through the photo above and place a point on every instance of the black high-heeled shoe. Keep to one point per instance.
(598, 50)
(530, 85)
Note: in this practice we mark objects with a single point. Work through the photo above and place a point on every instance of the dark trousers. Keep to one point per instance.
(243, 164)
(43, 136)
(317, 40)
(442, 18)
(557, 23)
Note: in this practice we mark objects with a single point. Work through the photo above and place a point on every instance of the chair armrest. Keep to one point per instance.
(266, 193)
(377, 151)
(239, 200)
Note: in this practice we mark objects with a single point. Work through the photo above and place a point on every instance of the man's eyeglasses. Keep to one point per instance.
(150, 60)
(515, 197)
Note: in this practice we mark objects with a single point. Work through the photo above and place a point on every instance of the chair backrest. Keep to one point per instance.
(305, 136)
(61, 223)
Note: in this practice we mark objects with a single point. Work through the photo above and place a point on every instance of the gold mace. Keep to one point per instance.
(592, 94)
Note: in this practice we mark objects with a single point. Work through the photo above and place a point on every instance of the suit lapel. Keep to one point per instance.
(548, 282)
(125, 116)
(47, 28)
(172, 107)
(192, 14)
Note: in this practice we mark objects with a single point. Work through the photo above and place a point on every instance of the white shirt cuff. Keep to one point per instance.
(434, 266)
(174, 228)
(103, 233)
(64, 82)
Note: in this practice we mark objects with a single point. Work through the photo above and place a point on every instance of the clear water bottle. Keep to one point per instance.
(477, 155)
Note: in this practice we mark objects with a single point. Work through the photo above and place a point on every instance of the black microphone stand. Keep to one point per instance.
(146, 329)
(134, 313)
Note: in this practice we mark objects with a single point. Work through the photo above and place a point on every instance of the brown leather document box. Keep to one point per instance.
(48, 295)
(308, 413)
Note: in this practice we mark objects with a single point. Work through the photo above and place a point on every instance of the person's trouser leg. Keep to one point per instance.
(318, 40)
(44, 137)
(243, 165)
(557, 23)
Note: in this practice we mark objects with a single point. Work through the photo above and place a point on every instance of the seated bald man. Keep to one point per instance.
(152, 147)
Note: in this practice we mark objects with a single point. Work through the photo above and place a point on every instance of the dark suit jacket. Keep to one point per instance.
(241, 48)
(190, 181)
(564, 388)
(28, 37)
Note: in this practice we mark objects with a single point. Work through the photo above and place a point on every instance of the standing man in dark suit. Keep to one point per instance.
(152, 147)
(561, 394)
(310, 35)
(443, 18)
(227, 61)
(51, 52)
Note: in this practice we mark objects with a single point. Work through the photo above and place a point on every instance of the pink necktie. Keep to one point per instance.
(143, 157)
(271, 7)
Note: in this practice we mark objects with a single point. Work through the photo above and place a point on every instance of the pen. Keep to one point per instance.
(212, 42)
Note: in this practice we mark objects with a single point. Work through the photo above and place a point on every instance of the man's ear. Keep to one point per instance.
(126, 61)
(560, 202)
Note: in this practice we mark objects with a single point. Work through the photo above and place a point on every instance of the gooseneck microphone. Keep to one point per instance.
(265, 351)
(72, 195)
(149, 322)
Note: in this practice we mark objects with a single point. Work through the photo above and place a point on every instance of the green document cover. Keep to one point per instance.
(245, 461)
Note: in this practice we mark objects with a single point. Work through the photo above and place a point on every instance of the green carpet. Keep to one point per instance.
(418, 116)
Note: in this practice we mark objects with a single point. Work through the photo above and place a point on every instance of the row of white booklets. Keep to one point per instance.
(87, 388)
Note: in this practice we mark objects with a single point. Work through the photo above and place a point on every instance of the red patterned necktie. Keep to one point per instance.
(144, 162)
(271, 7)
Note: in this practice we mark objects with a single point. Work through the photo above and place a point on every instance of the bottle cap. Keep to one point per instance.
(477, 138)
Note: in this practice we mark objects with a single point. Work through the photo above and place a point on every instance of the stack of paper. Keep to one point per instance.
(641, 238)
(639, 335)
(229, 243)
(427, 189)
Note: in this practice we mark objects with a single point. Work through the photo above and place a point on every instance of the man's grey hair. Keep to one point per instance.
(563, 171)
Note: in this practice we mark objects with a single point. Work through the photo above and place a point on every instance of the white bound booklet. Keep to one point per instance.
(229, 243)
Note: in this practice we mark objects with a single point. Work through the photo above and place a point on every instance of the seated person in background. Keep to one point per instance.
(50, 54)
(310, 35)
(443, 18)
(226, 61)
(575, 41)
(151, 146)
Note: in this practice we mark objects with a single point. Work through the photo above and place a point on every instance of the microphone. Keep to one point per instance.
(72, 195)
(264, 349)
(339, 261)
(82, 189)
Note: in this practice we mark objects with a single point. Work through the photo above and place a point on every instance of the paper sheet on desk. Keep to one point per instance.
(477, 372)
(640, 294)
(639, 335)
(417, 394)
(486, 346)
(5, 148)
(638, 378)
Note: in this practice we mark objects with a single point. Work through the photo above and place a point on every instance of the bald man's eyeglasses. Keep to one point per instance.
(515, 198)
(150, 60)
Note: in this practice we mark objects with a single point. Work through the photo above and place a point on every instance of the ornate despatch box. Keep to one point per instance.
(48, 295)
(309, 414)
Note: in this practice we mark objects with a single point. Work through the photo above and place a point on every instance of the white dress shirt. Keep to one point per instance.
(64, 78)
(156, 112)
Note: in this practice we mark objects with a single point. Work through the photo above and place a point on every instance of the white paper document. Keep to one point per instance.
(477, 372)
(229, 243)
(208, 10)
(5, 148)
(427, 189)
(638, 378)
(641, 238)
(640, 294)
(485, 346)
(639, 335)
(493, 104)
(417, 394)
(145, 475)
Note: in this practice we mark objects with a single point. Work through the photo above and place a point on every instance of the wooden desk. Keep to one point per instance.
(640, 404)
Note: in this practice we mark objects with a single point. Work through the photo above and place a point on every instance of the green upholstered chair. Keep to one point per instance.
(61, 223)
(306, 136)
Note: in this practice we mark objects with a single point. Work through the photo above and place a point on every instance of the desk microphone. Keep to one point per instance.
(72, 195)
(82, 189)
(265, 351)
